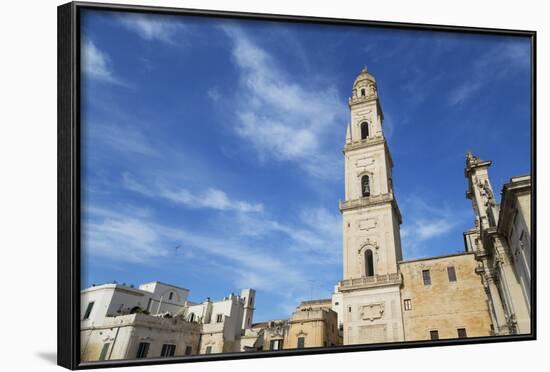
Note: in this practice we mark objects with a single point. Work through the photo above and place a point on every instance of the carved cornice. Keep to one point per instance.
(370, 141)
(357, 100)
(369, 201)
(369, 282)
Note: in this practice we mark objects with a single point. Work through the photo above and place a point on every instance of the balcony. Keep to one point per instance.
(365, 201)
(370, 281)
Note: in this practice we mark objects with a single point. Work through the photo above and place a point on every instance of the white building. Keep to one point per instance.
(157, 320)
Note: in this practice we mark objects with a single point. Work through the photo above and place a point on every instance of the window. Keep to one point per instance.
(275, 344)
(407, 305)
(191, 317)
(434, 335)
(364, 130)
(104, 351)
(208, 350)
(88, 310)
(426, 277)
(301, 342)
(171, 295)
(336, 303)
(369, 263)
(349, 309)
(461, 333)
(451, 273)
(219, 318)
(362, 92)
(188, 350)
(365, 186)
(168, 350)
(143, 349)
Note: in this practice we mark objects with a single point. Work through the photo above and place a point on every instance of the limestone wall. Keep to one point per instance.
(443, 305)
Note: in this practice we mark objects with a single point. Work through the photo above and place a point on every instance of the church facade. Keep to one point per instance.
(482, 291)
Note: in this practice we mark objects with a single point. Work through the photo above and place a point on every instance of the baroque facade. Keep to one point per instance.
(382, 298)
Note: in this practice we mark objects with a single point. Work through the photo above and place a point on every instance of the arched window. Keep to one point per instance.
(365, 186)
(191, 317)
(369, 263)
(362, 92)
(364, 130)
(171, 295)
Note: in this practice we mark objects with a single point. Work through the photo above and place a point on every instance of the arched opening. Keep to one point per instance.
(363, 92)
(369, 263)
(365, 186)
(191, 317)
(364, 130)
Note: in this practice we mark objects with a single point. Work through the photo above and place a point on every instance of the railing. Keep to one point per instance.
(365, 201)
(371, 280)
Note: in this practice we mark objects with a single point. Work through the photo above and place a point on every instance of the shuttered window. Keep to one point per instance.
(104, 351)
(143, 349)
(168, 350)
(426, 277)
(88, 310)
(451, 273)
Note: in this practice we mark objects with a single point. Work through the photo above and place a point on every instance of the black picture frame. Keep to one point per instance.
(69, 208)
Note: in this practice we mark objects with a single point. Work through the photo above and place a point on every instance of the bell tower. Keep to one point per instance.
(370, 289)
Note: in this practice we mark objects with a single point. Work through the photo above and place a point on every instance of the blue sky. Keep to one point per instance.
(224, 138)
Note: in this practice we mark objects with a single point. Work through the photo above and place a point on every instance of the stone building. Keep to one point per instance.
(157, 320)
(501, 242)
(442, 298)
(313, 324)
(381, 298)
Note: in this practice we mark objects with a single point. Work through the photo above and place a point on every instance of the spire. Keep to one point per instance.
(364, 88)
(348, 133)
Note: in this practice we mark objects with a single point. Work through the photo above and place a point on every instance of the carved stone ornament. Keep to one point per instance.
(372, 311)
(363, 162)
(367, 224)
(278, 331)
(485, 192)
(368, 243)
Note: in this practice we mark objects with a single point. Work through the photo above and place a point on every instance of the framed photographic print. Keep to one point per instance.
(236, 185)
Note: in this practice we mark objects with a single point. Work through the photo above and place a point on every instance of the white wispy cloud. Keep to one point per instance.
(211, 198)
(496, 63)
(424, 222)
(214, 94)
(464, 91)
(119, 235)
(107, 233)
(152, 27)
(97, 64)
(283, 119)
(124, 139)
